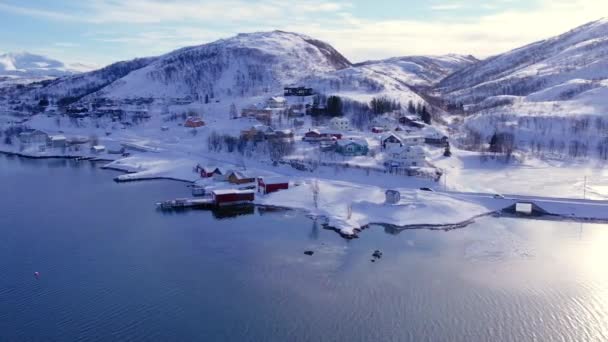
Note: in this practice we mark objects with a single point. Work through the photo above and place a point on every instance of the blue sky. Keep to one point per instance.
(103, 31)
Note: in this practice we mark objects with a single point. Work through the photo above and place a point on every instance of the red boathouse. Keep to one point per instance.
(272, 184)
(232, 196)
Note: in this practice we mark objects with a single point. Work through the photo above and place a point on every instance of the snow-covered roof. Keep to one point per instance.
(231, 191)
(401, 136)
(361, 142)
(406, 149)
(57, 137)
(275, 180)
(389, 134)
(98, 147)
(278, 99)
(242, 174)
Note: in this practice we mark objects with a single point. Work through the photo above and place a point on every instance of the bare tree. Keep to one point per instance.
(233, 111)
(314, 187)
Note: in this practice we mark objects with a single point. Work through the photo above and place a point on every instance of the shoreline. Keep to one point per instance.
(354, 231)
(332, 221)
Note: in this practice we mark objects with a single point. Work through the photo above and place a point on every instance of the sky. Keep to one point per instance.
(99, 32)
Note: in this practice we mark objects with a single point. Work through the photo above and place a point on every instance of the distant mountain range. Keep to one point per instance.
(255, 64)
(25, 65)
(570, 68)
(566, 68)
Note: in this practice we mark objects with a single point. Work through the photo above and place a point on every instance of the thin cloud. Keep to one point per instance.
(447, 7)
(161, 27)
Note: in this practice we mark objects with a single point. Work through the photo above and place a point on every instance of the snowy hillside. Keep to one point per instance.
(419, 70)
(362, 84)
(258, 64)
(244, 65)
(27, 65)
(568, 67)
(87, 83)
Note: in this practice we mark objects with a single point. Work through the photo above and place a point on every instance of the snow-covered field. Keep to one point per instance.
(348, 198)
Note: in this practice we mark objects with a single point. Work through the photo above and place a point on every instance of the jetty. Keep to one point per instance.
(185, 203)
(217, 198)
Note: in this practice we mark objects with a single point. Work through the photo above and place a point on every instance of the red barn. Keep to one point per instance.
(232, 196)
(194, 122)
(273, 184)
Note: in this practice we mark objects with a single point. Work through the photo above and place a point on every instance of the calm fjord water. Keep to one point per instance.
(113, 268)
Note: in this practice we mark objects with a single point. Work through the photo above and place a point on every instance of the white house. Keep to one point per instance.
(406, 156)
(340, 124)
(276, 102)
(397, 139)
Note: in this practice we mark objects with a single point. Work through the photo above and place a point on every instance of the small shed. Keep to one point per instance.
(98, 149)
(57, 141)
(272, 184)
(392, 196)
(523, 208)
(232, 196)
(239, 177)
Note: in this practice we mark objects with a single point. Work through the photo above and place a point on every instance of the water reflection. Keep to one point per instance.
(115, 269)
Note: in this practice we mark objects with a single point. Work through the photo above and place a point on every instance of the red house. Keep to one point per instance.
(194, 122)
(207, 172)
(312, 135)
(272, 184)
(232, 196)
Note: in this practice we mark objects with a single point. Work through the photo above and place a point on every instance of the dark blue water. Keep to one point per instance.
(114, 269)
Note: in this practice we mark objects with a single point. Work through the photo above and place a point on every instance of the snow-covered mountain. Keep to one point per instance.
(566, 68)
(27, 65)
(549, 97)
(80, 85)
(244, 65)
(420, 70)
(255, 64)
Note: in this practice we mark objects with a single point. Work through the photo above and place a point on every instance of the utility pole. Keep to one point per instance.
(585, 188)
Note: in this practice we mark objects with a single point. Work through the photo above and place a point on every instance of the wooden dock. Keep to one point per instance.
(185, 203)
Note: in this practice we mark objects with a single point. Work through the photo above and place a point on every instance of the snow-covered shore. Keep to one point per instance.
(347, 206)
(351, 207)
(350, 198)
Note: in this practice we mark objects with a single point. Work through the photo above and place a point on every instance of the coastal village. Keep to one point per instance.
(297, 128)
(298, 149)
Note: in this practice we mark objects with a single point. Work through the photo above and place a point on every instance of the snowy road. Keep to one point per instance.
(566, 207)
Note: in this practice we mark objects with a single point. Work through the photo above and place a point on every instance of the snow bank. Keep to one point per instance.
(142, 167)
(349, 207)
